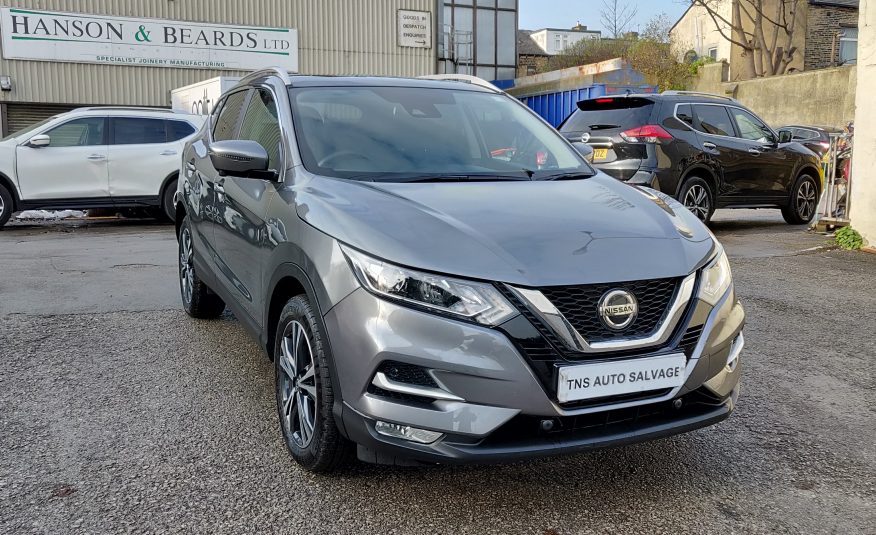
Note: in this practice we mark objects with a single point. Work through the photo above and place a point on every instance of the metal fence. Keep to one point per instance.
(833, 208)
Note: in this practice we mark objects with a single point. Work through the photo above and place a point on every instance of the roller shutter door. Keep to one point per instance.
(19, 115)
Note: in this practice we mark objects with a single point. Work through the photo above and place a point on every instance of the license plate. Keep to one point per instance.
(620, 377)
(600, 154)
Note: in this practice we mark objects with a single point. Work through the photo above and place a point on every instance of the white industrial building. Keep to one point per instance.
(555, 40)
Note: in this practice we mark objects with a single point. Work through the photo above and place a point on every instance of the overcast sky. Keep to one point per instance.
(535, 14)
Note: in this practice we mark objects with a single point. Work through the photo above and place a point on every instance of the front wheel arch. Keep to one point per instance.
(7, 183)
(288, 281)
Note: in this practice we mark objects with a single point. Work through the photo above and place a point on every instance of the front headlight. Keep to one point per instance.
(716, 279)
(467, 299)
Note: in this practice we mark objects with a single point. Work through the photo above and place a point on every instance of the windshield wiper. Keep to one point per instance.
(567, 176)
(603, 126)
(439, 177)
(457, 178)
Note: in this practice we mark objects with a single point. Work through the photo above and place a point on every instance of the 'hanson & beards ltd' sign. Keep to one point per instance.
(83, 38)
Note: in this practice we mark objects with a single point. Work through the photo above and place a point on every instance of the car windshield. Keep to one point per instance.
(28, 129)
(402, 133)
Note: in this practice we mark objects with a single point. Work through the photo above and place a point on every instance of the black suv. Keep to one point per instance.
(705, 150)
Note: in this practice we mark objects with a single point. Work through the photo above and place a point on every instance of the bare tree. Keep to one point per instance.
(763, 29)
(616, 17)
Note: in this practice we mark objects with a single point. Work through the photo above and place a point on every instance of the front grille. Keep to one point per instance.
(580, 304)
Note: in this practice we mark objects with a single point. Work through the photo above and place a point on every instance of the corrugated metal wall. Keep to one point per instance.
(334, 37)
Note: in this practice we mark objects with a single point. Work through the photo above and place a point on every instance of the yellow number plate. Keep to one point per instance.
(600, 154)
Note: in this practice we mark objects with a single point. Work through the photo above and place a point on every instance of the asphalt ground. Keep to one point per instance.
(120, 414)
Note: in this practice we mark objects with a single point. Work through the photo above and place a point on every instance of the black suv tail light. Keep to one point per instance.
(650, 133)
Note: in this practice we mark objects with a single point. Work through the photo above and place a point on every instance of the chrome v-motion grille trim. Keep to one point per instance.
(382, 381)
(554, 319)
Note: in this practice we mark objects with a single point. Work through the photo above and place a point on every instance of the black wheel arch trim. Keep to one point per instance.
(699, 170)
(9, 185)
(316, 295)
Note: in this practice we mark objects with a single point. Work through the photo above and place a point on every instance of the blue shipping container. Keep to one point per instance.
(555, 107)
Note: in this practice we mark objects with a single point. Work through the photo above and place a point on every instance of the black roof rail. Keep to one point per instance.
(696, 94)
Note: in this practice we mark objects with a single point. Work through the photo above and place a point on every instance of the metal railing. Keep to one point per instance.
(835, 198)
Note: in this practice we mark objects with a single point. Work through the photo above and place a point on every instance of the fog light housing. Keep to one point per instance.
(406, 432)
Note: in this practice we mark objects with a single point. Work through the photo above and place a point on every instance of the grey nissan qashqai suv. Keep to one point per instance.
(440, 277)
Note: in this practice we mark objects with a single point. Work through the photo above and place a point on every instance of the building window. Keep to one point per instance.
(713, 53)
(848, 49)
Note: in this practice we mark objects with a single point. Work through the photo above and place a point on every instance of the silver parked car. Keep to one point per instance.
(439, 276)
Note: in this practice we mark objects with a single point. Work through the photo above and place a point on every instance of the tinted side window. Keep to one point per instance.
(226, 123)
(752, 128)
(261, 124)
(713, 120)
(177, 130)
(804, 134)
(83, 132)
(137, 131)
(685, 114)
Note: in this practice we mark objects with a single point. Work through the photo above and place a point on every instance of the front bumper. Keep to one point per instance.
(503, 402)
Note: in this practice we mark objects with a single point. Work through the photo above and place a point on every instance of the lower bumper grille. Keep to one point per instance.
(524, 427)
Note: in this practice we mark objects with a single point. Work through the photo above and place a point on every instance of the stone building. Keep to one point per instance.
(826, 34)
(531, 58)
(831, 33)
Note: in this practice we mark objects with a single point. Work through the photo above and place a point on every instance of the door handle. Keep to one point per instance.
(753, 151)
(710, 146)
(168, 153)
(97, 157)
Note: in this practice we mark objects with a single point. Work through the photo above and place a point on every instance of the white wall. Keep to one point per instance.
(697, 31)
(547, 39)
(863, 210)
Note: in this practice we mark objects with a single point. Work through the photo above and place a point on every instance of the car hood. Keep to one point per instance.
(525, 233)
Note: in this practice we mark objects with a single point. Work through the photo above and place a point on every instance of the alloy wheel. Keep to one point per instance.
(186, 265)
(697, 201)
(297, 385)
(2, 206)
(806, 198)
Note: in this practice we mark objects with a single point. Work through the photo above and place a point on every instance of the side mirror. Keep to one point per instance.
(785, 136)
(39, 141)
(584, 149)
(238, 157)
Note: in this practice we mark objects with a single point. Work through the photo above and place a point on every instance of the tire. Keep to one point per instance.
(198, 299)
(696, 195)
(6, 205)
(167, 206)
(803, 202)
(304, 391)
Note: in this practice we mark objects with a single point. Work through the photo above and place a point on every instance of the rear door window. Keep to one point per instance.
(609, 114)
(137, 131)
(177, 130)
(713, 120)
